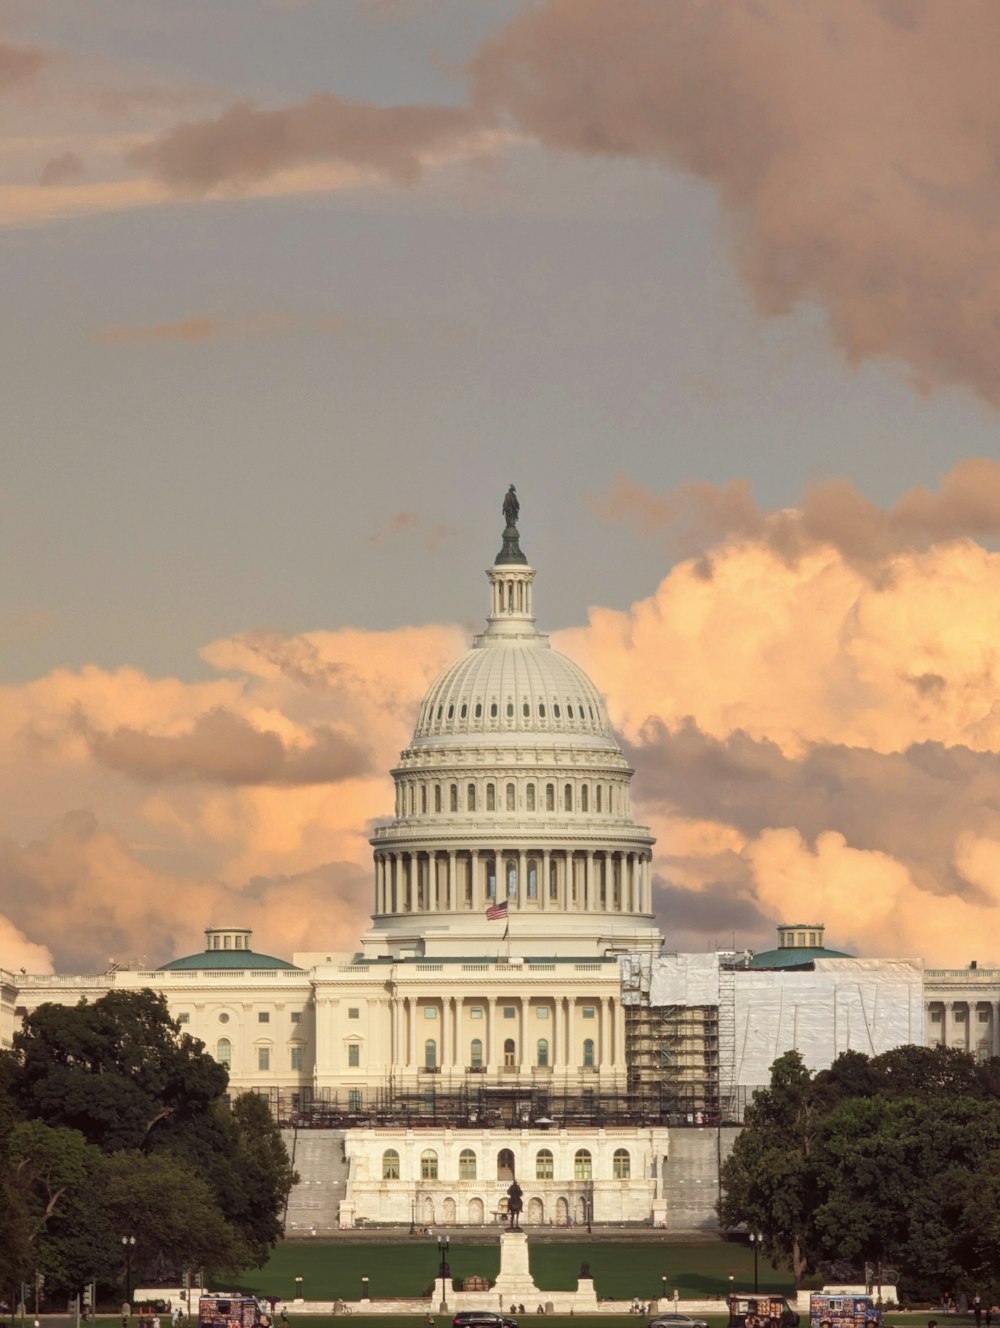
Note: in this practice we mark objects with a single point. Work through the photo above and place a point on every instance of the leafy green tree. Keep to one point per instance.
(768, 1182)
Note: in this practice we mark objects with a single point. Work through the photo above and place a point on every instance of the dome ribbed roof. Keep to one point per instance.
(516, 687)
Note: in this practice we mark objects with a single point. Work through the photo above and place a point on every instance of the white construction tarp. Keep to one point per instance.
(867, 1005)
(685, 979)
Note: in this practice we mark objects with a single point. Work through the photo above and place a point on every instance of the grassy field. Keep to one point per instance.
(334, 1270)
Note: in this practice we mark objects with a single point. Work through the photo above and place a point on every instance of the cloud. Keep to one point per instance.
(184, 329)
(834, 514)
(246, 144)
(18, 64)
(411, 523)
(58, 170)
(849, 144)
(222, 747)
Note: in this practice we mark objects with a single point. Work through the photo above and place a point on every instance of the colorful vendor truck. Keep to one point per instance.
(232, 1312)
(828, 1310)
(750, 1310)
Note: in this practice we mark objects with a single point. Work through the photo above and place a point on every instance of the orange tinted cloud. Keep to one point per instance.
(849, 142)
(246, 144)
(18, 64)
(185, 329)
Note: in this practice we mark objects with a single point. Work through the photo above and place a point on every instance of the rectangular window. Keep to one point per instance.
(263, 1058)
(354, 1054)
(296, 1016)
(263, 1016)
(354, 1099)
(183, 1018)
(430, 1012)
(353, 1012)
(935, 1016)
(509, 1012)
(296, 1054)
(983, 1016)
(588, 1012)
(542, 1012)
(959, 1016)
(476, 1012)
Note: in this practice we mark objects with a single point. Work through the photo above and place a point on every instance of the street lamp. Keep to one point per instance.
(589, 1201)
(128, 1243)
(364, 1287)
(663, 1287)
(443, 1271)
(298, 1288)
(755, 1238)
(413, 1216)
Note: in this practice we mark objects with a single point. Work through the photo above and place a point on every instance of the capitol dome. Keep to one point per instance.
(512, 796)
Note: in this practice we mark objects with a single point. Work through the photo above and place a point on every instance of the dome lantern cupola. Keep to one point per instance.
(510, 578)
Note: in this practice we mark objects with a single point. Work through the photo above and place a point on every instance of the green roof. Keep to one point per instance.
(795, 956)
(215, 959)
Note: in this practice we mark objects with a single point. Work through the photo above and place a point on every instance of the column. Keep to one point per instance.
(452, 883)
(602, 1052)
(543, 886)
(490, 1057)
(523, 1059)
(571, 1056)
(459, 1049)
(589, 883)
(432, 884)
(394, 1048)
(446, 1034)
(522, 878)
(554, 1060)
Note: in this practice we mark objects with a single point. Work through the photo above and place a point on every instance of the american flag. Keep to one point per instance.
(496, 911)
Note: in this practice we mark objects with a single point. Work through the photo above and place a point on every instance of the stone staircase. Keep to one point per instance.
(314, 1204)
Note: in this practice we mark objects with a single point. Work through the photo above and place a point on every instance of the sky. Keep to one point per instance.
(293, 290)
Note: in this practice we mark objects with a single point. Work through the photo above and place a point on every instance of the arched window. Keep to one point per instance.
(430, 1054)
(491, 878)
(476, 1054)
(470, 798)
(428, 1164)
(466, 1164)
(508, 1052)
(550, 797)
(510, 709)
(568, 797)
(543, 1165)
(423, 799)
(453, 798)
(224, 1051)
(585, 799)
(437, 797)
(491, 798)
(583, 1166)
(588, 1052)
(532, 879)
(505, 1164)
(529, 798)
(597, 792)
(542, 1058)
(511, 878)
(511, 797)
(553, 880)
(525, 709)
(621, 1164)
(390, 1164)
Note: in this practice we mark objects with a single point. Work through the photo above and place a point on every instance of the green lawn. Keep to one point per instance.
(620, 1271)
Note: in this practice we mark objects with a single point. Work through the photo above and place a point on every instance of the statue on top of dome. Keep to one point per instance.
(511, 507)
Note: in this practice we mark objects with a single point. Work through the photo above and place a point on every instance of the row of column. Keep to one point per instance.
(464, 880)
(960, 1025)
(454, 1030)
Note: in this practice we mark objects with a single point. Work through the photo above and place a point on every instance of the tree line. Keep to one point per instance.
(891, 1160)
(114, 1123)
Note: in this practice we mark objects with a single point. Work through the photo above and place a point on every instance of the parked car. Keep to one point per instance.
(676, 1321)
(484, 1319)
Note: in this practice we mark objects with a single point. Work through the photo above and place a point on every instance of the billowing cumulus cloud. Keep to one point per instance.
(815, 733)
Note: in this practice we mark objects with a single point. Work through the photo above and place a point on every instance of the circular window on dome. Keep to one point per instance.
(479, 709)
(464, 711)
(510, 709)
(493, 710)
(223, 1018)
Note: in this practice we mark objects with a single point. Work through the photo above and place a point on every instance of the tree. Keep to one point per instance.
(269, 1175)
(768, 1183)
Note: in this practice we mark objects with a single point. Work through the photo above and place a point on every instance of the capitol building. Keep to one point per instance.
(511, 1011)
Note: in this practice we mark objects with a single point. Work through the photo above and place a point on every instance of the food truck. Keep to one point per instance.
(232, 1312)
(753, 1310)
(827, 1310)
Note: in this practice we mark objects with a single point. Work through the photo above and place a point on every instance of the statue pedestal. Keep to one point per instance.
(514, 1283)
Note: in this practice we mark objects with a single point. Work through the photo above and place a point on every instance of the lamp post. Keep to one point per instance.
(298, 1288)
(443, 1271)
(755, 1239)
(589, 1201)
(413, 1216)
(128, 1244)
(663, 1287)
(365, 1295)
